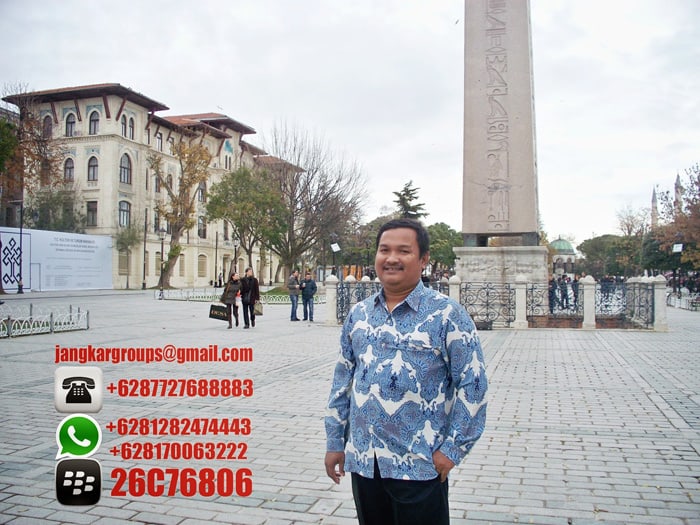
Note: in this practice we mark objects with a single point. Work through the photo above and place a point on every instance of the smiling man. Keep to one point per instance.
(408, 399)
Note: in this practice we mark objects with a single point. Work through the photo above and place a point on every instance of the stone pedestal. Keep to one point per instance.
(501, 265)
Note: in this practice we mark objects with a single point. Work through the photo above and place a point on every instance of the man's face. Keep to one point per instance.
(397, 261)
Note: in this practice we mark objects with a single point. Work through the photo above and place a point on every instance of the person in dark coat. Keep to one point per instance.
(250, 292)
(308, 290)
(233, 286)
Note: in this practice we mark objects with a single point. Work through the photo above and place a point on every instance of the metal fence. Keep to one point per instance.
(488, 304)
(493, 305)
(212, 295)
(31, 320)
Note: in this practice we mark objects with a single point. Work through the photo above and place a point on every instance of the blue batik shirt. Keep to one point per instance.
(407, 383)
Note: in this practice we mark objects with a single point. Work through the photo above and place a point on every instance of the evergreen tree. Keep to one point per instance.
(406, 204)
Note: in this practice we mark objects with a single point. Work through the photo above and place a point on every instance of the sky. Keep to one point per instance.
(616, 84)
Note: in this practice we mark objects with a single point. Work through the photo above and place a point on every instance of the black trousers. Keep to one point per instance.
(248, 314)
(385, 501)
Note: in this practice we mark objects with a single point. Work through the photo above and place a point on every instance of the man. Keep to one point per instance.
(308, 290)
(293, 287)
(408, 399)
(250, 292)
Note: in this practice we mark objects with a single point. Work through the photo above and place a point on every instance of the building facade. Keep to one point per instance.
(108, 132)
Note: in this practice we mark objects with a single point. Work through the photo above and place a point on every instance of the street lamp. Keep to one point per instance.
(216, 260)
(236, 244)
(161, 236)
(335, 247)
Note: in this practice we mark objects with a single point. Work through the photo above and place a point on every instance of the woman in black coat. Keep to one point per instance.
(233, 286)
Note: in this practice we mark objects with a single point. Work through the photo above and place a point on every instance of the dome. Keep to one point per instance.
(562, 246)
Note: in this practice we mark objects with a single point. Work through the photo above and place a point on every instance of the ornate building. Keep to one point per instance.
(108, 132)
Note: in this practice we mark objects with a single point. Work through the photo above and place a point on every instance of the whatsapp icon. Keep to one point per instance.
(78, 435)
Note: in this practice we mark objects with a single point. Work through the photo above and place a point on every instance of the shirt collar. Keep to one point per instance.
(412, 300)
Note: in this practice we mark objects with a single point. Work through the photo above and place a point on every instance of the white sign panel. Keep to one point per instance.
(55, 260)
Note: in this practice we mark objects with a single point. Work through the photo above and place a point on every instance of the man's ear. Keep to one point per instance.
(425, 259)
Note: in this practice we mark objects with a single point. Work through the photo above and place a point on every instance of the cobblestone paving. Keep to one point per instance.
(584, 427)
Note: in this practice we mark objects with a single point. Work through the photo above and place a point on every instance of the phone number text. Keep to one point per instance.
(175, 426)
(175, 450)
(182, 387)
(189, 482)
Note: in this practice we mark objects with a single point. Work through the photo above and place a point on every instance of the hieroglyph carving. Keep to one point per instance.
(497, 123)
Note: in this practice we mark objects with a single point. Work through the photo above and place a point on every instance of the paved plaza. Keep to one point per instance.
(584, 427)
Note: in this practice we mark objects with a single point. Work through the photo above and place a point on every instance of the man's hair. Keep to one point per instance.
(421, 233)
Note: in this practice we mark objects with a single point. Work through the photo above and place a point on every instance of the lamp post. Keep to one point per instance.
(161, 236)
(335, 247)
(216, 260)
(236, 244)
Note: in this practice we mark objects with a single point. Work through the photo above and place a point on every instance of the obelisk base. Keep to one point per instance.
(501, 265)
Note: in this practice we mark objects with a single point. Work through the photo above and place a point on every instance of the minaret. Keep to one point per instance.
(678, 199)
(654, 210)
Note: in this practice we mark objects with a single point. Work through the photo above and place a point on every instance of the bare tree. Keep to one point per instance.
(194, 159)
(321, 192)
(633, 222)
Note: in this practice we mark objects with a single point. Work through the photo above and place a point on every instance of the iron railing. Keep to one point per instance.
(488, 304)
(31, 320)
(541, 301)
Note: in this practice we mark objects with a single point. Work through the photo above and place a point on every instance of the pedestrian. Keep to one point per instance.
(233, 288)
(574, 289)
(308, 290)
(293, 286)
(408, 398)
(250, 292)
(553, 290)
(564, 290)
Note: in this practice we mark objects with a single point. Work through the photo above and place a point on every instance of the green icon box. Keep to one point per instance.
(78, 435)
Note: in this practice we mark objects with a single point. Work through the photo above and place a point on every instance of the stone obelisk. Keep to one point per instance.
(499, 203)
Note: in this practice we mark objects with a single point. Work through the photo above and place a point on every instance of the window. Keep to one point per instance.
(123, 262)
(181, 262)
(202, 192)
(202, 265)
(159, 141)
(47, 128)
(201, 227)
(70, 125)
(156, 221)
(124, 214)
(131, 128)
(91, 218)
(68, 170)
(225, 231)
(159, 262)
(125, 170)
(157, 184)
(92, 169)
(145, 263)
(94, 123)
(123, 121)
(169, 180)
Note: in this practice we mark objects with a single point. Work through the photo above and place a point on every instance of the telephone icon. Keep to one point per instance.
(78, 389)
(80, 442)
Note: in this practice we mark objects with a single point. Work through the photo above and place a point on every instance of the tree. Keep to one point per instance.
(126, 239)
(8, 142)
(599, 256)
(179, 208)
(443, 240)
(681, 219)
(54, 211)
(321, 193)
(405, 202)
(251, 204)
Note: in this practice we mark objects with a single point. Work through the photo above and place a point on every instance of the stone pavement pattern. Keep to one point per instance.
(584, 427)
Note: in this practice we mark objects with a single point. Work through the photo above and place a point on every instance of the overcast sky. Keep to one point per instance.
(617, 88)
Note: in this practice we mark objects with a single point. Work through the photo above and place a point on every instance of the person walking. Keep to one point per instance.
(408, 397)
(293, 286)
(308, 290)
(250, 292)
(233, 287)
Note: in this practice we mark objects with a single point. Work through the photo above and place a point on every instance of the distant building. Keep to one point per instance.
(108, 132)
(563, 257)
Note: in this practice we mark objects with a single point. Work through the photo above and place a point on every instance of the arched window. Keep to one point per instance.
(125, 170)
(159, 141)
(131, 128)
(124, 214)
(47, 128)
(70, 125)
(201, 227)
(201, 265)
(123, 121)
(68, 170)
(92, 169)
(94, 123)
(202, 192)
